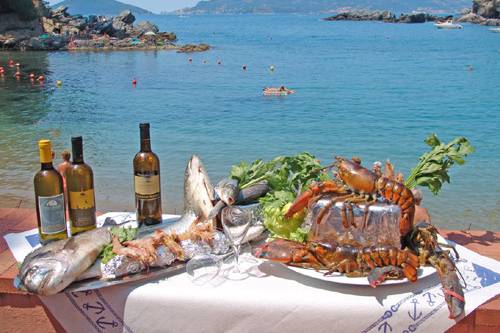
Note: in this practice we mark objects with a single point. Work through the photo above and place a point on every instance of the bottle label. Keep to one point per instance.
(82, 199)
(147, 187)
(82, 208)
(52, 214)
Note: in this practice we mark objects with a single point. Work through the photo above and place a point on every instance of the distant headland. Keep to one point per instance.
(30, 25)
(100, 7)
(322, 6)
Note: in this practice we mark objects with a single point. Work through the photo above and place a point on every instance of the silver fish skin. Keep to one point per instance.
(227, 190)
(198, 197)
(51, 268)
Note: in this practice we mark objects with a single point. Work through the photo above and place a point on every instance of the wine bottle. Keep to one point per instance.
(49, 197)
(147, 181)
(80, 186)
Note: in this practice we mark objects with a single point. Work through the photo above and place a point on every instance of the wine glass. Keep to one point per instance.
(235, 222)
(203, 268)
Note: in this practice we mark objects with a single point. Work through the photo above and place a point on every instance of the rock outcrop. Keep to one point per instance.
(19, 21)
(56, 29)
(484, 12)
(489, 9)
(189, 48)
(384, 16)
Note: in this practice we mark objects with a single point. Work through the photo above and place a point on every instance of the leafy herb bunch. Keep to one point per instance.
(432, 169)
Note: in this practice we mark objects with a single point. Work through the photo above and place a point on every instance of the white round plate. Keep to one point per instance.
(359, 281)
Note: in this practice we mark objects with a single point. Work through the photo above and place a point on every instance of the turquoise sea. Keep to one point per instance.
(369, 89)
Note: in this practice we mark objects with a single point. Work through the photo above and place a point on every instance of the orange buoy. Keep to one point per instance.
(134, 82)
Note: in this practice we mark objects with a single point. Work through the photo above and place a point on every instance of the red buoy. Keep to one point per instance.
(11, 63)
(32, 76)
(41, 78)
(134, 82)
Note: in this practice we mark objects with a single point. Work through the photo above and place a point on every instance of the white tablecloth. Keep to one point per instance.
(273, 299)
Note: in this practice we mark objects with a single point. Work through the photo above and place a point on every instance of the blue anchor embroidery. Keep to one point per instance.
(99, 307)
(429, 300)
(102, 324)
(414, 316)
(385, 325)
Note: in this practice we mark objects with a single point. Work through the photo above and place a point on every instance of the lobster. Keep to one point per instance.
(333, 257)
(423, 240)
(357, 184)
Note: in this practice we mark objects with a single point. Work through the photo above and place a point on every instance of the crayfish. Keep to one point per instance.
(353, 185)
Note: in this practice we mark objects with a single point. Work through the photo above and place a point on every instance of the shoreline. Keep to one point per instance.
(57, 30)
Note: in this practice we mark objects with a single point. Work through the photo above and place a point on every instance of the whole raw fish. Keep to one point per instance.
(51, 268)
(198, 197)
(227, 192)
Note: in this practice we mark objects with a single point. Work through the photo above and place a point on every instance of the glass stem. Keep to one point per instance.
(236, 249)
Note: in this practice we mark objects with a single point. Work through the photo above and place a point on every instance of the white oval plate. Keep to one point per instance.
(359, 281)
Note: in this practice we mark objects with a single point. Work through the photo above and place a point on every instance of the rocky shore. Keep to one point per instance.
(58, 30)
(384, 16)
(484, 12)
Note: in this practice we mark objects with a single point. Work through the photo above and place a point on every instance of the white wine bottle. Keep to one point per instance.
(80, 186)
(49, 197)
(147, 181)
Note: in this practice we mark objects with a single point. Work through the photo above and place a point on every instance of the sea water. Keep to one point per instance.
(368, 89)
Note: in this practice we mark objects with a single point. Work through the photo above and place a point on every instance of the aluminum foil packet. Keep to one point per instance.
(381, 227)
(122, 265)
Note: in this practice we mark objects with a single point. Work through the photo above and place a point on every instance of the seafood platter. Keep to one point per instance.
(343, 223)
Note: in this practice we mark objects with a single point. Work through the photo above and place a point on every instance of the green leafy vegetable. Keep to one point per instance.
(123, 234)
(432, 169)
(287, 176)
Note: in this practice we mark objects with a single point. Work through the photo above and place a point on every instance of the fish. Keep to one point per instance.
(52, 267)
(252, 193)
(198, 197)
(226, 190)
(198, 201)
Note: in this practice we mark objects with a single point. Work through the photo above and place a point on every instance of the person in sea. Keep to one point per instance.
(64, 165)
(421, 213)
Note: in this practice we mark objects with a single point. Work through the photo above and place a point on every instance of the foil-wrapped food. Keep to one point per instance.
(379, 226)
(121, 265)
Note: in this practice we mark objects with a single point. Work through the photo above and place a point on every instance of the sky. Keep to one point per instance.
(156, 6)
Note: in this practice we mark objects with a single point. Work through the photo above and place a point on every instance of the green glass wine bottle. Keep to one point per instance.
(49, 197)
(80, 186)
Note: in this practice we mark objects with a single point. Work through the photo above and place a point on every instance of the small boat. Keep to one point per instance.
(277, 91)
(495, 30)
(448, 25)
